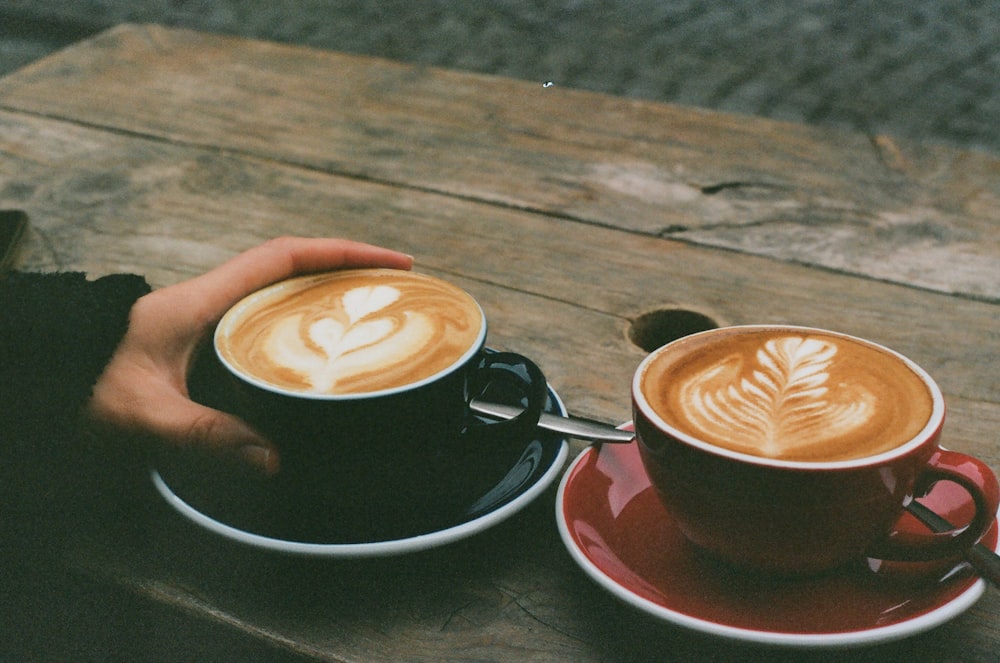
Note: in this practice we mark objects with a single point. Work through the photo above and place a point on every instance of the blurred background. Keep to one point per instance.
(922, 69)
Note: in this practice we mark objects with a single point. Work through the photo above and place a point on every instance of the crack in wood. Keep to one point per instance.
(516, 600)
(712, 189)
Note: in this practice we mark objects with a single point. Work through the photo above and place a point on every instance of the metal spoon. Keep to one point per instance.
(983, 560)
(578, 427)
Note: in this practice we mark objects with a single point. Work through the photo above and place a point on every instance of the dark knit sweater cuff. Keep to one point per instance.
(57, 332)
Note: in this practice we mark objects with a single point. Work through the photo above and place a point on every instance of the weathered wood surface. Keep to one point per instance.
(774, 189)
(164, 152)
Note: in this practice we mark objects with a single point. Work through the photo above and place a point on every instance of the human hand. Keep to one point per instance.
(142, 393)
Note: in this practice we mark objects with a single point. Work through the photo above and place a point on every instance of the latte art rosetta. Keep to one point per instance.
(785, 395)
(781, 401)
(354, 332)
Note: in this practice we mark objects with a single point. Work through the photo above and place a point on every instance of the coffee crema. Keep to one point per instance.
(351, 332)
(786, 394)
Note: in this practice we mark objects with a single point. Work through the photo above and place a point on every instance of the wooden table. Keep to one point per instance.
(570, 215)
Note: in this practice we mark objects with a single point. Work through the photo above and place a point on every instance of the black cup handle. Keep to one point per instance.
(509, 378)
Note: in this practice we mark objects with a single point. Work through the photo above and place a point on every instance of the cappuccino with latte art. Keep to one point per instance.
(789, 395)
(794, 450)
(362, 380)
(351, 332)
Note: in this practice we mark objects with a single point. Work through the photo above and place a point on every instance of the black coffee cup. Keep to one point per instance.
(373, 463)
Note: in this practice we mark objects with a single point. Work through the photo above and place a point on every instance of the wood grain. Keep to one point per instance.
(164, 152)
(866, 205)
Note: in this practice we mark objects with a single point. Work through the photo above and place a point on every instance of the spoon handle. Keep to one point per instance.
(983, 560)
(578, 427)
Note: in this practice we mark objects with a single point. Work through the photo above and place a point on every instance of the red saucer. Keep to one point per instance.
(619, 533)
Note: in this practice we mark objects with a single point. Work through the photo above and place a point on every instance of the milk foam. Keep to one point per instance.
(354, 332)
(789, 395)
(780, 401)
(361, 301)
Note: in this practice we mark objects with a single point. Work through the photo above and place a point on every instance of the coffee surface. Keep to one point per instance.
(778, 393)
(351, 332)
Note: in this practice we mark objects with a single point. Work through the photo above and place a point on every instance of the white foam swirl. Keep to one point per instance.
(359, 302)
(351, 332)
(782, 403)
(334, 348)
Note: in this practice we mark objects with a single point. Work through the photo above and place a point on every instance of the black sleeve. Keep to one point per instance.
(57, 332)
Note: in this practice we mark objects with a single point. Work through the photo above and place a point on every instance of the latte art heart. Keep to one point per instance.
(790, 396)
(328, 353)
(366, 299)
(352, 332)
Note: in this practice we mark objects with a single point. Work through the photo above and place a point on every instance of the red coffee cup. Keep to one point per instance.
(793, 515)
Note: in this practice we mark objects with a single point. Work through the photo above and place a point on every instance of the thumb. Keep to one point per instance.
(187, 424)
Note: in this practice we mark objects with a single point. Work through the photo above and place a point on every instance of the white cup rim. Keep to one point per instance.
(249, 300)
(927, 432)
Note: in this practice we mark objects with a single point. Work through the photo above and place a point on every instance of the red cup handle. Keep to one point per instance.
(981, 484)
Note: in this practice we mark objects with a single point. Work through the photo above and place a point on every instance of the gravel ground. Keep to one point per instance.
(922, 69)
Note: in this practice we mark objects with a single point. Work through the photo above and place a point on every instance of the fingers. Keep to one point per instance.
(141, 406)
(185, 424)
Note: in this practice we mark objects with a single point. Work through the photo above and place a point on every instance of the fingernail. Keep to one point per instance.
(262, 458)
